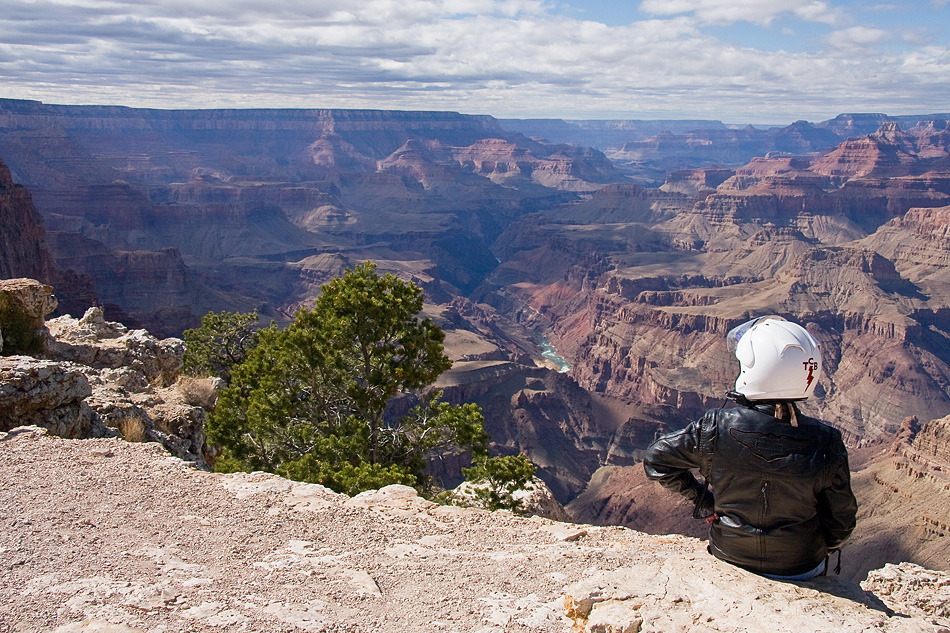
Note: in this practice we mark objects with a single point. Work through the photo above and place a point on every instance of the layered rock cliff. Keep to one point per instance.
(842, 249)
(904, 515)
(24, 251)
(249, 197)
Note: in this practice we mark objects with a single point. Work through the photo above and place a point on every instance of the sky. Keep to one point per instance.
(738, 61)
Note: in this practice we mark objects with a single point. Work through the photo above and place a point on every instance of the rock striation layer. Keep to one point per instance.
(849, 242)
(174, 213)
(23, 249)
(903, 514)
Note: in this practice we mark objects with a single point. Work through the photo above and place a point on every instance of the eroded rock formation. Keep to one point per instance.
(23, 248)
(91, 378)
(849, 242)
(903, 514)
(245, 209)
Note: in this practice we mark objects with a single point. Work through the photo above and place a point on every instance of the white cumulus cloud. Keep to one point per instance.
(513, 58)
(756, 11)
(857, 37)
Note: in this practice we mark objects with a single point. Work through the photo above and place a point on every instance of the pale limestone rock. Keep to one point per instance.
(98, 376)
(614, 617)
(308, 617)
(100, 344)
(683, 594)
(96, 626)
(204, 551)
(215, 614)
(44, 393)
(298, 495)
(536, 499)
(395, 499)
(134, 382)
(911, 588)
(362, 582)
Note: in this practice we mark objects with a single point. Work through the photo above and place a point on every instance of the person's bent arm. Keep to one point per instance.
(837, 507)
(669, 460)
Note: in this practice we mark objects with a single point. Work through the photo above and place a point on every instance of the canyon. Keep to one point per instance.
(106, 532)
(632, 252)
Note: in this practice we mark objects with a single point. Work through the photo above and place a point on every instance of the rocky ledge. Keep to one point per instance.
(116, 537)
(88, 377)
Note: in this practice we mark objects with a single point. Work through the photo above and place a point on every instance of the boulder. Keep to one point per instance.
(536, 499)
(44, 393)
(23, 305)
(911, 589)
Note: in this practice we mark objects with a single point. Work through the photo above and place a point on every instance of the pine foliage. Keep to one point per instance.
(310, 401)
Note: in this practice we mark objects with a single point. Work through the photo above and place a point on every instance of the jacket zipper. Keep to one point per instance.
(765, 517)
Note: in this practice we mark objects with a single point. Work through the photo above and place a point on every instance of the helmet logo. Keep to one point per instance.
(811, 365)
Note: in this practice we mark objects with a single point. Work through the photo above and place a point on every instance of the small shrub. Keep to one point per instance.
(198, 392)
(495, 480)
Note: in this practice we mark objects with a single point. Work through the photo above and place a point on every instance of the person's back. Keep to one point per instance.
(781, 485)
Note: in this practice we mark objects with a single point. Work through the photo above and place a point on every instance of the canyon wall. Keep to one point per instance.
(849, 243)
(261, 206)
(24, 251)
(175, 213)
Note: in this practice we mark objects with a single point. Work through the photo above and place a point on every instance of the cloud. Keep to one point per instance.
(858, 37)
(502, 57)
(755, 11)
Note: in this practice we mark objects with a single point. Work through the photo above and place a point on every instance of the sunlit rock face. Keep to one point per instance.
(851, 243)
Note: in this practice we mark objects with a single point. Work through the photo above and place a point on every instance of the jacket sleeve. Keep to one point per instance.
(669, 460)
(837, 507)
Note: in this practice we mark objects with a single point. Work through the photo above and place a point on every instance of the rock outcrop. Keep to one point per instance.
(903, 512)
(47, 394)
(921, 591)
(90, 378)
(24, 304)
(115, 537)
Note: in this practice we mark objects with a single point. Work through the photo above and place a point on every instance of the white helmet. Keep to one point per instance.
(778, 359)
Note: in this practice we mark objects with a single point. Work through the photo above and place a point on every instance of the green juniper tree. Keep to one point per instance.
(222, 341)
(310, 401)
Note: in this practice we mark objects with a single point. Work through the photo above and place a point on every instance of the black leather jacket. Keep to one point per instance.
(782, 494)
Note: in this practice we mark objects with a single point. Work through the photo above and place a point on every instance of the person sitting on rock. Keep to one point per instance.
(778, 488)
